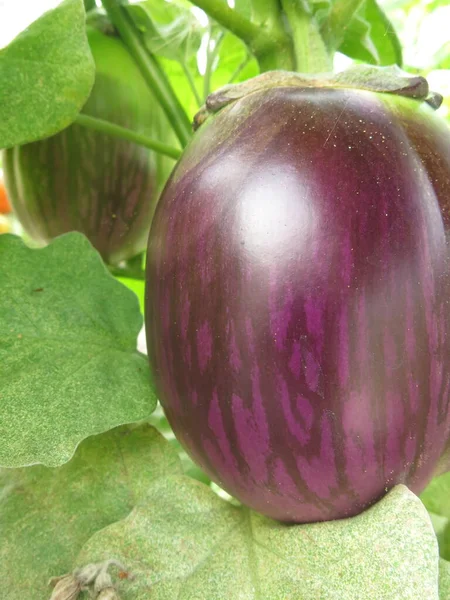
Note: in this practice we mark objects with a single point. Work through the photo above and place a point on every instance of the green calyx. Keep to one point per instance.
(389, 80)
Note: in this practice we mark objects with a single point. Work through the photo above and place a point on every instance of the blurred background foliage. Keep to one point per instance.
(423, 27)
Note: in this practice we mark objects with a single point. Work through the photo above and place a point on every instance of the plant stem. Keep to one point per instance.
(89, 5)
(126, 134)
(266, 10)
(334, 26)
(191, 83)
(268, 14)
(151, 71)
(271, 47)
(240, 68)
(230, 19)
(210, 57)
(311, 55)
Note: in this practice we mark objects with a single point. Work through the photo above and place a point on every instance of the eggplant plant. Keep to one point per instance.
(283, 431)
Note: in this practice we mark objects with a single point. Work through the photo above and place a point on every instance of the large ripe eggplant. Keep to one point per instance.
(298, 294)
(83, 180)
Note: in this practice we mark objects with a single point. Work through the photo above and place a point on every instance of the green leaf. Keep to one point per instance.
(177, 77)
(46, 75)
(184, 542)
(168, 30)
(441, 59)
(441, 527)
(383, 35)
(357, 43)
(444, 580)
(138, 287)
(232, 53)
(436, 495)
(46, 515)
(436, 498)
(335, 20)
(370, 37)
(160, 422)
(433, 5)
(69, 364)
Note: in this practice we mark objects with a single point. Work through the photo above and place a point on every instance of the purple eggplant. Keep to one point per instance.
(297, 305)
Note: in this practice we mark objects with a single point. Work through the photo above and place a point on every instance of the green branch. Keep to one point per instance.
(151, 71)
(278, 55)
(126, 134)
(334, 26)
(230, 19)
(267, 13)
(270, 45)
(311, 55)
(191, 83)
(210, 58)
(240, 68)
(89, 5)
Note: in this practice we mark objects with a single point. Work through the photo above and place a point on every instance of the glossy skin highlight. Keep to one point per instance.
(297, 301)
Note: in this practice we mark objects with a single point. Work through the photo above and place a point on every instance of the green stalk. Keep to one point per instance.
(266, 10)
(210, 57)
(333, 28)
(89, 5)
(151, 71)
(126, 134)
(269, 45)
(240, 68)
(229, 19)
(191, 82)
(311, 55)
(268, 13)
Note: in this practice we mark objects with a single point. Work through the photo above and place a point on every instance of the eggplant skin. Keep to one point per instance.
(297, 299)
(83, 180)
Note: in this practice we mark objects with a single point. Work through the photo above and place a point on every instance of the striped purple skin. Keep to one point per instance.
(90, 182)
(296, 305)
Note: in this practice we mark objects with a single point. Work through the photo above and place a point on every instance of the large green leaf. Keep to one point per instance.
(371, 38)
(184, 542)
(436, 498)
(137, 286)
(444, 580)
(46, 75)
(169, 30)
(177, 77)
(361, 30)
(383, 35)
(436, 495)
(357, 42)
(231, 55)
(441, 60)
(69, 364)
(442, 529)
(46, 515)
